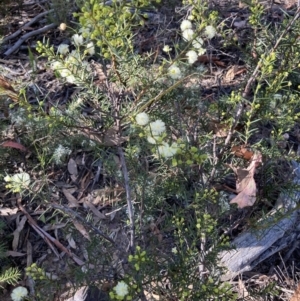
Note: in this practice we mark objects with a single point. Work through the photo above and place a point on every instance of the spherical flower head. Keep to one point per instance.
(142, 118)
(188, 34)
(7, 178)
(18, 181)
(201, 51)
(153, 139)
(174, 72)
(63, 26)
(90, 48)
(56, 65)
(174, 250)
(157, 127)
(185, 24)
(19, 293)
(198, 43)
(167, 151)
(77, 39)
(121, 289)
(73, 58)
(210, 31)
(63, 49)
(64, 72)
(167, 48)
(192, 56)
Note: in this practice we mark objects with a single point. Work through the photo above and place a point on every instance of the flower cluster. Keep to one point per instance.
(18, 181)
(155, 131)
(72, 63)
(19, 293)
(120, 291)
(174, 72)
(188, 34)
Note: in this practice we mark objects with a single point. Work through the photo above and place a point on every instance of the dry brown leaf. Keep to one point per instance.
(88, 204)
(72, 167)
(156, 232)
(242, 291)
(296, 296)
(240, 24)
(8, 211)
(71, 241)
(17, 232)
(242, 151)
(219, 129)
(230, 74)
(246, 186)
(13, 144)
(72, 200)
(7, 89)
(82, 230)
(15, 254)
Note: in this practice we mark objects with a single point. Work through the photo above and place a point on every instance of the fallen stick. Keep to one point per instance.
(27, 36)
(252, 247)
(32, 21)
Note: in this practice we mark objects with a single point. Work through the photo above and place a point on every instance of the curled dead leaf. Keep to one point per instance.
(82, 230)
(7, 89)
(245, 184)
(242, 151)
(71, 199)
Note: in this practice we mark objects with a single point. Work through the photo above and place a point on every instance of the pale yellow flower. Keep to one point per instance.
(185, 24)
(63, 26)
(157, 127)
(187, 34)
(77, 39)
(167, 151)
(63, 48)
(210, 31)
(174, 72)
(198, 43)
(142, 118)
(192, 56)
(167, 48)
(121, 289)
(90, 48)
(19, 293)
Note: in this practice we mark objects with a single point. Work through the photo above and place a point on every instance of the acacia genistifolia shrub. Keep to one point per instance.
(152, 116)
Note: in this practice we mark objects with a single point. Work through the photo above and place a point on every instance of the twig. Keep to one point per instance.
(32, 21)
(46, 236)
(128, 197)
(27, 36)
(75, 215)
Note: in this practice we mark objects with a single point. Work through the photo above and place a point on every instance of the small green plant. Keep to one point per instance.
(8, 275)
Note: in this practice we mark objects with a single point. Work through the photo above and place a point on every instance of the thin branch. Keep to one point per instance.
(27, 36)
(32, 21)
(128, 197)
(75, 215)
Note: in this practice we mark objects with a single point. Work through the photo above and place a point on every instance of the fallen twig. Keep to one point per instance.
(32, 21)
(27, 36)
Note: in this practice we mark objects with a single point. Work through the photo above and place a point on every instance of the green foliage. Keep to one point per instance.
(9, 276)
(161, 140)
(110, 25)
